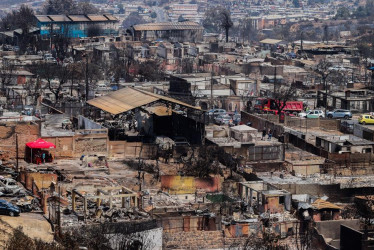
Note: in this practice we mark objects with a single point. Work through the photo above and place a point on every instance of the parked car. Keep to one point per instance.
(216, 112)
(8, 208)
(236, 119)
(7, 171)
(366, 119)
(8, 186)
(51, 60)
(102, 87)
(312, 114)
(223, 119)
(339, 113)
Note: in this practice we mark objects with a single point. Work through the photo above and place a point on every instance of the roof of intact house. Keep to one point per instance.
(126, 99)
(75, 18)
(188, 25)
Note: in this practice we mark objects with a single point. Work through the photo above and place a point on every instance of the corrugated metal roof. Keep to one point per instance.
(126, 99)
(75, 18)
(79, 18)
(42, 18)
(111, 17)
(59, 18)
(169, 26)
(322, 204)
(96, 18)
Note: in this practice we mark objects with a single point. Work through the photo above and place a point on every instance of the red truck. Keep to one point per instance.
(268, 105)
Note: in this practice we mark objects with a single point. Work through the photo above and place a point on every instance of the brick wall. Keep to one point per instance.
(121, 149)
(41, 180)
(77, 145)
(193, 240)
(25, 132)
(329, 124)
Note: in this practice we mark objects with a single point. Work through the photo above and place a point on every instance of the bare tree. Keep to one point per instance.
(33, 89)
(187, 65)
(76, 74)
(323, 69)
(55, 76)
(226, 22)
(365, 52)
(282, 95)
(60, 40)
(202, 161)
(6, 75)
(246, 28)
(216, 19)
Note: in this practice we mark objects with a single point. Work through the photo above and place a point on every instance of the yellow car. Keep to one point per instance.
(366, 119)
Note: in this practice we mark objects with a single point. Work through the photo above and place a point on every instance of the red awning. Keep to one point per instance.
(40, 143)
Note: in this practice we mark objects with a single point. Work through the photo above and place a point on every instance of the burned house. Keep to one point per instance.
(264, 197)
(345, 144)
(244, 141)
(169, 31)
(149, 114)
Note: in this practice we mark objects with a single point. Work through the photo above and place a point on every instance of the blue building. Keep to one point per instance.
(75, 26)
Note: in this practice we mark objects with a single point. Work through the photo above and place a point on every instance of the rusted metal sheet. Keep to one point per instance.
(126, 99)
(186, 223)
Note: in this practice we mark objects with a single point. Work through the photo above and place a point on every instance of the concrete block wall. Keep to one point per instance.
(331, 190)
(260, 121)
(193, 240)
(329, 124)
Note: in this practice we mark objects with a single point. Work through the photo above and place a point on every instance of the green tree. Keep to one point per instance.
(57, 7)
(342, 13)
(153, 15)
(121, 9)
(133, 19)
(360, 12)
(181, 18)
(296, 3)
(18, 19)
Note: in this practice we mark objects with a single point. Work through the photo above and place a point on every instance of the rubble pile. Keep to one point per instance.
(121, 213)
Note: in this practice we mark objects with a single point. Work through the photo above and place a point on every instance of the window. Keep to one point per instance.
(281, 199)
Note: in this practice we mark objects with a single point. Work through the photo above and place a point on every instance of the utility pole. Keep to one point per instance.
(17, 153)
(275, 78)
(87, 90)
(211, 89)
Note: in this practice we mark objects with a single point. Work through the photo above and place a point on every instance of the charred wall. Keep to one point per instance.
(192, 130)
